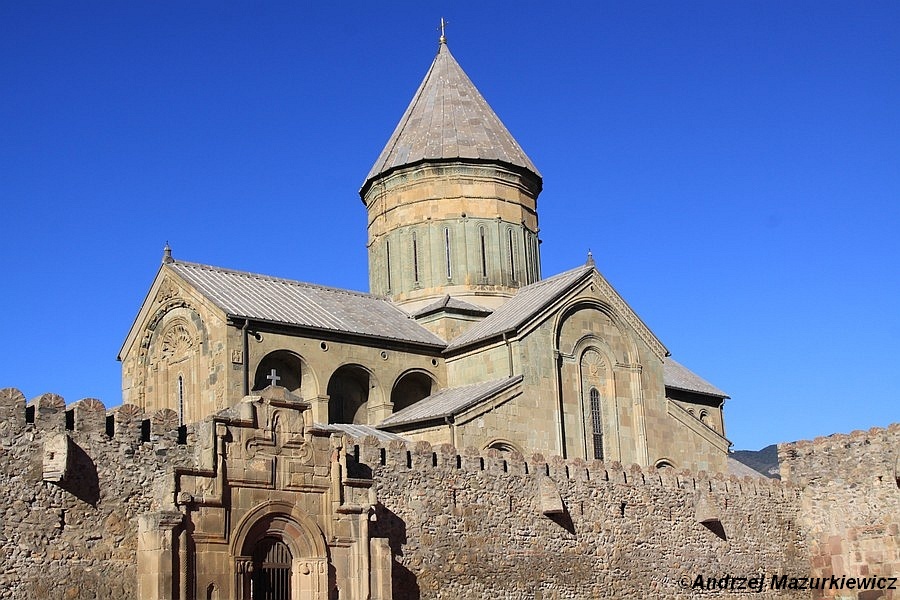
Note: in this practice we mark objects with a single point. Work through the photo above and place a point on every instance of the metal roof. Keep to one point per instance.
(360, 431)
(677, 376)
(450, 401)
(450, 304)
(449, 119)
(264, 298)
(527, 302)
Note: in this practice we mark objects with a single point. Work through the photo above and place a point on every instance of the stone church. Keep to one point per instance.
(464, 431)
(461, 340)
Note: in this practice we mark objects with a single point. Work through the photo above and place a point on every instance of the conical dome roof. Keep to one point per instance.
(449, 119)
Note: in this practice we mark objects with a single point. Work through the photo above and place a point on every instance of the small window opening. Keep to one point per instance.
(597, 423)
(483, 252)
(512, 255)
(415, 250)
(180, 400)
(387, 261)
(447, 252)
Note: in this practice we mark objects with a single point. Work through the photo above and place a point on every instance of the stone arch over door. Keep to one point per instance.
(291, 533)
(410, 387)
(293, 371)
(352, 393)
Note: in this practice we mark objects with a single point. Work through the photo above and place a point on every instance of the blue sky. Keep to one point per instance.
(733, 166)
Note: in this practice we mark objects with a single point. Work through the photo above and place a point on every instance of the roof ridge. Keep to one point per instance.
(281, 279)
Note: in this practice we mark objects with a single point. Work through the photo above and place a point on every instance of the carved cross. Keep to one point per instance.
(273, 377)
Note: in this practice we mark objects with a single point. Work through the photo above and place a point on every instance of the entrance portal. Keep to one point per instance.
(271, 570)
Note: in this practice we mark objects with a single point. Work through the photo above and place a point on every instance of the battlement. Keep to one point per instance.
(370, 453)
(858, 455)
(89, 417)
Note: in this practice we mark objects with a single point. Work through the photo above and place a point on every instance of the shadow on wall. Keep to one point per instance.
(83, 483)
(389, 525)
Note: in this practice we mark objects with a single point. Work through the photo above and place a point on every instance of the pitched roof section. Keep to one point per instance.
(360, 431)
(265, 298)
(449, 402)
(449, 119)
(453, 305)
(527, 302)
(679, 377)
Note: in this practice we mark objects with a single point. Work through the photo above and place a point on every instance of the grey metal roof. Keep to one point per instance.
(527, 302)
(265, 298)
(360, 431)
(449, 402)
(449, 119)
(677, 376)
(452, 304)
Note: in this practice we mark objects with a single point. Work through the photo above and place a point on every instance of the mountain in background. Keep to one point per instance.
(764, 461)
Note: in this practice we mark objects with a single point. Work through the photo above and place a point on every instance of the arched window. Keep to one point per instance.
(512, 254)
(527, 255)
(481, 237)
(447, 252)
(704, 417)
(348, 395)
(180, 400)
(410, 388)
(597, 423)
(415, 258)
(387, 262)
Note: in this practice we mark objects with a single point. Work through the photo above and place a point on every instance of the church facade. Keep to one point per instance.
(461, 339)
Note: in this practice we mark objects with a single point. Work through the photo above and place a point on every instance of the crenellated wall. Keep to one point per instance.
(490, 525)
(850, 504)
(76, 480)
(73, 480)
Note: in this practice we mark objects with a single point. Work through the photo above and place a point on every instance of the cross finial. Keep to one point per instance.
(443, 38)
(273, 377)
(167, 255)
(590, 258)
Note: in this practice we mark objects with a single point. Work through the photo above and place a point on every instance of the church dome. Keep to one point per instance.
(448, 119)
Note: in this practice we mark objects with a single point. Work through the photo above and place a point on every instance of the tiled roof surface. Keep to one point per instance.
(452, 305)
(449, 402)
(676, 375)
(449, 119)
(527, 302)
(265, 298)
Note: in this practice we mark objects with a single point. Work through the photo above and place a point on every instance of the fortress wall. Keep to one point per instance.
(850, 503)
(488, 525)
(72, 482)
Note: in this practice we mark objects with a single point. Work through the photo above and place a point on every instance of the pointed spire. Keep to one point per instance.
(167, 255)
(449, 119)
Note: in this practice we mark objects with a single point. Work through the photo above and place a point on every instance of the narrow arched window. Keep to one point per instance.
(512, 254)
(481, 237)
(387, 261)
(415, 260)
(527, 255)
(447, 252)
(597, 423)
(180, 393)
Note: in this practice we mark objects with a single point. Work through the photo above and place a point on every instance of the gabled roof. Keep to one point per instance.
(275, 300)
(449, 402)
(360, 431)
(527, 302)
(679, 377)
(452, 305)
(449, 119)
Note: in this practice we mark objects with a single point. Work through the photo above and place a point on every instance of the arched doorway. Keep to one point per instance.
(348, 395)
(410, 388)
(272, 564)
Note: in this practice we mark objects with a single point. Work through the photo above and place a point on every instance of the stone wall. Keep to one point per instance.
(850, 505)
(70, 494)
(498, 526)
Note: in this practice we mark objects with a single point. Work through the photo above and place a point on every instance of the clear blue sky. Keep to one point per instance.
(733, 166)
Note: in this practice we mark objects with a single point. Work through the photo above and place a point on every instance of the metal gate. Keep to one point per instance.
(272, 570)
